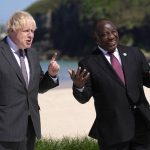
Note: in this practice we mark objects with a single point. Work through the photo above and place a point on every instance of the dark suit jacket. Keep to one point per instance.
(114, 118)
(16, 101)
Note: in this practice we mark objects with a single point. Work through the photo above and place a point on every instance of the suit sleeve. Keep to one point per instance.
(145, 70)
(46, 82)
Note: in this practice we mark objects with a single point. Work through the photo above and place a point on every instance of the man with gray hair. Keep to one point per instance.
(21, 78)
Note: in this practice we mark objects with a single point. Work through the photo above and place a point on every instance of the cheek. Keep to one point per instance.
(20, 37)
(99, 40)
(22, 41)
(18, 40)
(103, 41)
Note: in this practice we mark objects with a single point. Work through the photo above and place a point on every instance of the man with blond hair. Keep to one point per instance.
(21, 78)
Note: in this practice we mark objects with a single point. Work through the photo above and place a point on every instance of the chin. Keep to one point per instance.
(113, 48)
(28, 46)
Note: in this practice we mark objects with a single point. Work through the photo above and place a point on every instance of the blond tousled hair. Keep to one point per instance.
(19, 20)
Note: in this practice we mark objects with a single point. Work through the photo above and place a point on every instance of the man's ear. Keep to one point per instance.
(10, 31)
(96, 38)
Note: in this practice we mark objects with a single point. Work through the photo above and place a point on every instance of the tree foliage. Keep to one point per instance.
(70, 22)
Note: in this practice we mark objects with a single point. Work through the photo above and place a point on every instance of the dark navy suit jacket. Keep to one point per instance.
(16, 101)
(114, 118)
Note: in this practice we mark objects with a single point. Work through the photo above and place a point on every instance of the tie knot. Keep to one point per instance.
(21, 52)
(110, 53)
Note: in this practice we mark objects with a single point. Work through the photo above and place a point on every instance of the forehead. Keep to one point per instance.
(105, 25)
(28, 25)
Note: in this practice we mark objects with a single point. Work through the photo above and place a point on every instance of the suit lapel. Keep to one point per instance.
(12, 60)
(123, 52)
(106, 66)
(31, 65)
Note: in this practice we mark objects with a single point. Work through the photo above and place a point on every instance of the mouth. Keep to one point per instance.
(28, 42)
(111, 46)
(113, 43)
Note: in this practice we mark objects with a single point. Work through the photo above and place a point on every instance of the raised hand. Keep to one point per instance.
(79, 77)
(53, 67)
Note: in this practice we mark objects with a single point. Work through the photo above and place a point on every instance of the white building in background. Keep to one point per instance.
(2, 31)
(2, 35)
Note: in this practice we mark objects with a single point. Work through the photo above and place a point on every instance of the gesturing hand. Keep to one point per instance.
(79, 77)
(53, 67)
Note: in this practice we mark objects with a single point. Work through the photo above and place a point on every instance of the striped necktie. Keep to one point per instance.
(23, 66)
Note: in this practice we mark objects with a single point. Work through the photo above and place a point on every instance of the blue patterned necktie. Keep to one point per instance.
(23, 66)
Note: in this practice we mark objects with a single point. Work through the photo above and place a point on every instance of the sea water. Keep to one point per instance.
(63, 75)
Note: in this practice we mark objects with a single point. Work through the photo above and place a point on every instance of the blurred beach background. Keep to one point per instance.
(61, 115)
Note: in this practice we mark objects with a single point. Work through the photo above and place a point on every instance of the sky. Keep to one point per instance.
(8, 7)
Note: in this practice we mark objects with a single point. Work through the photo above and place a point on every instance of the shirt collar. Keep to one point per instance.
(106, 52)
(12, 45)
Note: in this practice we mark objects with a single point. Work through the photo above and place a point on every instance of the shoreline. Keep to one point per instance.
(64, 85)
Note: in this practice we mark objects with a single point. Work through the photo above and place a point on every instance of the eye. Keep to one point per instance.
(26, 30)
(104, 34)
(114, 32)
(32, 31)
(101, 35)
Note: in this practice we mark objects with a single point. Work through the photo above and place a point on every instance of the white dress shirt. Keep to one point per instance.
(107, 56)
(14, 48)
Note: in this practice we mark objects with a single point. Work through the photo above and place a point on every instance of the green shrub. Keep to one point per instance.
(67, 143)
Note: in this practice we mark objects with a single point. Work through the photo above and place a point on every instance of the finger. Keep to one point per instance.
(83, 73)
(73, 73)
(70, 72)
(54, 56)
(78, 71)
(86, 76)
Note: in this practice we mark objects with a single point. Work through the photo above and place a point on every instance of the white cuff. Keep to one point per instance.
(80, 89)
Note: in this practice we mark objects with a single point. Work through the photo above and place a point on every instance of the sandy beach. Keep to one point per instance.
(62, 115)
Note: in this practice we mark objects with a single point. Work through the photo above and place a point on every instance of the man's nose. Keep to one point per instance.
(111, 36)
(31, 34)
